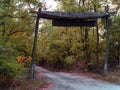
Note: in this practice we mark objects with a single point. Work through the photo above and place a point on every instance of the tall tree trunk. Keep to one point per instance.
(97, 43)
(82, 40)
(97, 48)
(118, 52)
(93, 32)
(87, 47)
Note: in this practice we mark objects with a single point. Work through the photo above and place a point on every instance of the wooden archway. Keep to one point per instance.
(79, 19)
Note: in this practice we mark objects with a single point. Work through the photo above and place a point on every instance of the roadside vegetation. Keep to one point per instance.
(16, 34)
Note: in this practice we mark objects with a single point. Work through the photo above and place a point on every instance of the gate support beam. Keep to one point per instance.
(107, 42)
(107, 48)
(32, 68)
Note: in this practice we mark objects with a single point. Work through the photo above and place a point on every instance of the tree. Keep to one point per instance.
(19, 27)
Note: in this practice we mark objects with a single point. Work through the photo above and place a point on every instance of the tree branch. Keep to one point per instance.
(12, 16)
(14, 32)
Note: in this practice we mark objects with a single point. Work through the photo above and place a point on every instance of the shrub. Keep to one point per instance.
(69, 61)
(6, 74)
(23, 61)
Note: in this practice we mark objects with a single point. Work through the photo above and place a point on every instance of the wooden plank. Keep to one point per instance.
(72, 15)
(68, 23)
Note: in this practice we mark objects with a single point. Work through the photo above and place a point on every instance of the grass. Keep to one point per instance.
(113, 77)
(28, 85)
(25, 84)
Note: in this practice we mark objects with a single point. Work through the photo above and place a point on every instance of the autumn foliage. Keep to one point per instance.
(23, 61)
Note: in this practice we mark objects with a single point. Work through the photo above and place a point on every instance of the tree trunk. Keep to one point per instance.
(97, 48)
(87, 47)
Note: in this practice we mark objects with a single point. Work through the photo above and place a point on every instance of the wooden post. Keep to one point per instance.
(32, 68)
(107, 42)
(107, 48)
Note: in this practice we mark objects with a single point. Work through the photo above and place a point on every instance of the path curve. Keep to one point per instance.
(67, 81)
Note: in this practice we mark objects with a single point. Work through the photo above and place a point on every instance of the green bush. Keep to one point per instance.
(6, 74)
(6, 70)
(9, 69)
(69, 61)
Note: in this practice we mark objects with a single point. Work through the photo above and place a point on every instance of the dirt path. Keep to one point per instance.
(67, 81)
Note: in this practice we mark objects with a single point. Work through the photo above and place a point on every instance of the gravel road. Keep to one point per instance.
(67, 81)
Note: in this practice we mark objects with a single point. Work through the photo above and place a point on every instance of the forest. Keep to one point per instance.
(58, 48)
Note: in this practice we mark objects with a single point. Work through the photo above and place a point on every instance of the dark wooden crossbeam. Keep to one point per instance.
(72, 15)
